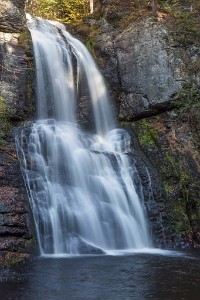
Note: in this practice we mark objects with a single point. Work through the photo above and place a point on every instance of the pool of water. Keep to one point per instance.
(164, 275)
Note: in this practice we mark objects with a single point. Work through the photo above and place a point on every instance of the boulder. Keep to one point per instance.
(144, 66)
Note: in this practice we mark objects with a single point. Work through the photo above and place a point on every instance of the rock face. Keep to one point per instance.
(16, 74)
(150, 68)
(15, 105)
(16, 234)
(15, 60)
(144, 66)
(12, 18)
(149, 72)
(156, 210)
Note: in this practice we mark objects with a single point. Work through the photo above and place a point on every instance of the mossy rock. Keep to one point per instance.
(5, 124)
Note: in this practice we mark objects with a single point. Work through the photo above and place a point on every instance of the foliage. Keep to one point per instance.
(187, 97)
(65, 11)
(178, 5)
(187, 104)
(185, 22)
(187, 29)
(90, 44)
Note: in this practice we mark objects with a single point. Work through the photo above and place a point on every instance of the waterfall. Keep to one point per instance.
(80, 185)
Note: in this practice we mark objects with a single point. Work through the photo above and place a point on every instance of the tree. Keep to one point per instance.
(66, 11)
(154, 4)
(91, 6)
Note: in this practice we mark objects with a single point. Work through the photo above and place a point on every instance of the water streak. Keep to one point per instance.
(81, 185)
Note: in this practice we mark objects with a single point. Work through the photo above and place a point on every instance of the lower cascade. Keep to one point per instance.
(82, 186)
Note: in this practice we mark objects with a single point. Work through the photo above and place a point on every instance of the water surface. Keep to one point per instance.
(138, 276)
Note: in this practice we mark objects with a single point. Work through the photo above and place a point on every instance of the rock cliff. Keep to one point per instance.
(16, 97)
(153, 72)
(12, 17)
(145, 66)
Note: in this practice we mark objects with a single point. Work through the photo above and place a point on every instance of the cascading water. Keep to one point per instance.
(80, 185)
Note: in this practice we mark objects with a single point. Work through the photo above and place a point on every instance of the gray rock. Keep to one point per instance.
(134, 103)
(148, 64)
(12, 15)
(145, 66)
(16, 75)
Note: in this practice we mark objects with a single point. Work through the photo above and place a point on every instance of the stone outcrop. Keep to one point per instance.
(16, 96)
(12, 17)
(15, 60)
(16, 74)
(170, 144)
(144, 66)
(151, 69)
(16, 230)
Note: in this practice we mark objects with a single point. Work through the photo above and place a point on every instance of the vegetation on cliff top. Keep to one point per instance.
(65, 11)
(73, 11)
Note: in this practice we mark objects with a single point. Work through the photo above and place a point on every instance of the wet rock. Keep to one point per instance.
(173, 164)
(16, 233)
(16, 76)
(152, 195)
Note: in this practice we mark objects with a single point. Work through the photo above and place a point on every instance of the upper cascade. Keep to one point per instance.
(59, 82)
(82, 186)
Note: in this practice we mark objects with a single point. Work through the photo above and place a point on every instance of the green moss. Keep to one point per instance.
(187, 97)
(90, 44)
(124, 123)
(11, 261)
(4, 121)
(180, 219)
(173, 162)
(25, 41)
(147, 135)
(174, 173)
(30, 242)
(177, 182)
(23, 37)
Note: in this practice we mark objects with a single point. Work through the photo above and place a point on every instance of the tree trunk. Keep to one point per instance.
(154, 5)
(91, 6)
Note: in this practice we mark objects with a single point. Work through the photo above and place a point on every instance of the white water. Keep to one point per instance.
(81, 186)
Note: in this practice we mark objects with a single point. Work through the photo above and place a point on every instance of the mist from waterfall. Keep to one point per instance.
(81, 185)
